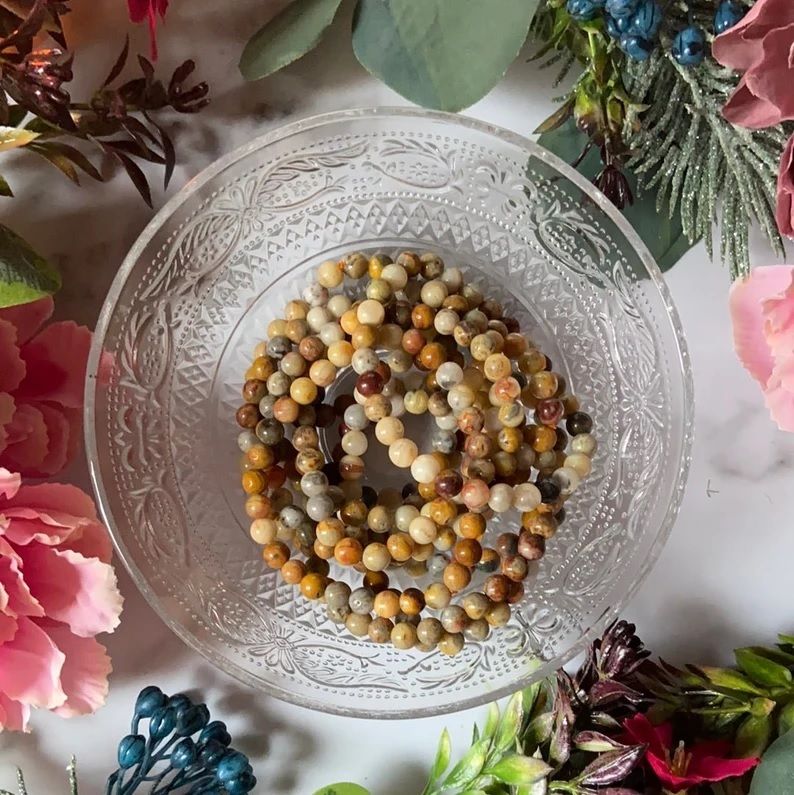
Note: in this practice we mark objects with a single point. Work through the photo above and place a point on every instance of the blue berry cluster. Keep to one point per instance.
(635, 25)
(182, 751)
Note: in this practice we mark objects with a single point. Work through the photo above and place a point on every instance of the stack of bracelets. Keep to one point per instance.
(419, 340)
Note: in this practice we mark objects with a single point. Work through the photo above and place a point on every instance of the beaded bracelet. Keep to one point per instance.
(332, 333)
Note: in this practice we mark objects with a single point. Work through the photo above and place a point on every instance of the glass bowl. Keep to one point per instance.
(220, 260)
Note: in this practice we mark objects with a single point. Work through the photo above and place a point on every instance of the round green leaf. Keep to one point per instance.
(345, 788)
(288, 36)
(775, 774)
(24, 275)
(443, 54)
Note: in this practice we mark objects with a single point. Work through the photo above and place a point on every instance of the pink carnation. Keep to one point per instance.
(57, 591)
(762, 311)
(42, 372)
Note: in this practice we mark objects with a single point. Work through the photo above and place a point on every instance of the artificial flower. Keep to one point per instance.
(57, 591)
(42, 373)
(141, 10)
(762, 46)
(679, 768)
(784, 209)
(762, 311)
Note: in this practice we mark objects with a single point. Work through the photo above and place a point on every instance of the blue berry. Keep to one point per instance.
(149, 699)
(621, 8)
(646, 20)
(211, 752)
(216, 730)
(162, 723)
(131, 750)
(184, 754)
(179, 702)
(636, 47)
(232, 765)
(689, 46)
(726, 16)
(582, 10)
(241, 784)
(616, 26)
(191, 720)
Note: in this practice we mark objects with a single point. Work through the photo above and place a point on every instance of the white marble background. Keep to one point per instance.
(724, 578)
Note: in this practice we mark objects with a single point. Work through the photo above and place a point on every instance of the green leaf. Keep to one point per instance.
(728, 679)
(753, 735)
(507, 731)
(345, 788)
(5, 188)
(775, 774)
(13, 137)
(663, 236)
(786, 640)
(519, 770)
(530, 696)
(491, 721)
(24, 275)
(469, 766)
(762, 670)
(785, 720)
(442, 756)
(287, 37)
(443, 54)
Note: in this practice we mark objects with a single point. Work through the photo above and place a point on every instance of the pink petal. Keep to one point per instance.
(740, 46)
(9, 483)
(17, 598)
(746, 310)
(27, 441)
(8, 628)
(91, 540)
(744, 108)
(711, 768)
(78, 591)
(28, 318)
(138, 9)
(28, 525)
(58, 430)
(13, 370)
(30, 667)
(56, 360)
(57, 498)
(7, 409)
(779, 397)
(14, 715)
(74, 441)
(771, 77)
(85, 673)
(784, 211)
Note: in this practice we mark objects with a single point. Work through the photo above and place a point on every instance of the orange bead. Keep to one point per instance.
(413, 341)
(387, 603)
(257, 506)
(293, 571)
(253, 482)
(262, 368)
(431, 356)
(275, 554)
(467, 551)
(422, 316)
(412, 601)
(261, 456)
(323, 551)
(400, 546)
(276, 477)
(541, 438)
(348, 551)
(471, 525)
(285, 409)
(456, 577)
(443, 511)
(313, 585)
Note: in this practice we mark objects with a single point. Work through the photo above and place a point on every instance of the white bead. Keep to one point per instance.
(434, 292)
(423, 530)
(355, 418)
(364, 360)
(403, 517)
(338, 305)
(460, 397)
(445, 321)
(447, 423)
(315, 294)
(425, 468)
(317, 317)
(584, 443)
(526, 496)
(567, 479)
(403, 452)
(331, 332)
(358, 397)
(389, 430)
(449, 374)
(580, 463)
(453, 278)
(354, 443)
(370, 312)
(329, 274)
(395, 275)
(397, 405)
(501, 498)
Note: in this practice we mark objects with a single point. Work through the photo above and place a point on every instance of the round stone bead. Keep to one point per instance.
(415, 401)
(371, 312)
(395, 275)
(364, 360)
(337, 614)
(263, 531)
(579, 463)
(456, 577)
(329, 274)
(354, 443)
(451, 643)
(425, 468)
(501, 497)
(397, 405)
(337, 594)
(330, 531)
(291, 516)
(338, 305)
(476, 605)
(403, 636)
(355, 418)
(351, 467)
(436, 564)
(477, 631)
(584, 443)
(447, 422)
(317, 317)
(340, 353)
(379, 630)
(454, 618)
(443, 441)
(541, 524)
(531, 546)
(389, 430)
(567, 479)
(358, 624)
(498, 614)
(362, 600)
(278, 384)
(423, 530)
(315, 294)
(453, 278)
(401, 546)
(387, 603)
(376, 556)
(461, 396)
(468, 552)
(319, 507)
(445, 321)
(348, 551)
(434, 292)
(429, 631)
(526, 497)
(496, 367)
(403, 517)
(412, 602)
(246, 440)
(437, 596)
(313, 585)
(475, 494)
(303, 391)
(449, 374)
(403, 452)
(514, 567)
(577, 423)
(322, 372)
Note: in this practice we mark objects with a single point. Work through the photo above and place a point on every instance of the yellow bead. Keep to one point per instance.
(303, 391)
(329, 274)
(340, 353)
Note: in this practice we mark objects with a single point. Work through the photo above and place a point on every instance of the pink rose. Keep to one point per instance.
(42, 372)
(762, 311)
(57, 591)
(784, 211)
(762, 46)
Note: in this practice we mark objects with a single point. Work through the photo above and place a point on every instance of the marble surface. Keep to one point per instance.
(721, 580)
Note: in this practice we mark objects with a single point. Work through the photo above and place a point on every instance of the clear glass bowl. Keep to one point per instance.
(215, 265)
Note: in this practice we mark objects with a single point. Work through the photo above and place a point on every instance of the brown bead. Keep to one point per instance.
(448, 483)
(348, 551)
(457, 303)
(387, 603)
(363, 336)
(456, 577)
(376, 407)
(275, 554)
(471, 420)
(471, 525)
(531, 546)
(515, 593)
(400, 546)
(478, 445)
(431, 356)
(315, 565)
(313, 585)
(411, 262)
(261, 456)
(505, 464)
(412, 601)
(510, 439)
(543, 385)
(422, 316)
(542, 438)
(262, 368)
(370, 383)
(514, 567)
(413, 341)
(305, 437)
(427, 491)
(253, 482)
(549, 412)
(309, 460)
(541, 524)
(515, 345)
(285, 409)
(323, 551)
(354, 512)
(497, 587)
(489, 561)
(276, 477)
(507, 545)
(257, 506)
(571, 404)
(376, 581)
(248, 415)
(311, 348)
(437, 403)
(467, 551)
(254, 390)
(351, 467)
(293, 571)
(442, 511)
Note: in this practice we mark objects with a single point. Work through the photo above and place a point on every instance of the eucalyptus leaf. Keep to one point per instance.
(762, 670)
(519, 770)
(287, 37)
(663, 236)
(24, 275)
(344, 788)
(13, 137)
(468, 767)
(775, 774)
(443, 54)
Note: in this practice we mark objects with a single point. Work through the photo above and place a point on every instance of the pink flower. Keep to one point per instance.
(148, 9)
(762, 311)
(762, 46)
(41, 389)
(784, 211)
(680, 768)
(57, 591)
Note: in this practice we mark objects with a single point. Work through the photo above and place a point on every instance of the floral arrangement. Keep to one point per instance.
(623, 724)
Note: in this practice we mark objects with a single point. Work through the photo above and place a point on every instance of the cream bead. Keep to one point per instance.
(584, 443)
(317, 317)
(376, 556)
(322, 372)
(453, 278)
(329, 274)
(397, 405)
(423, 530)
(567, 479)
(449, 422)
(580, 463)
(434, 292)
(449, 374)
(395, 275)
(501, 497)
(389, 430)
(263, 531)
(425, 468)
(526, 497)
(403, 452)
(445, 321)
(340, 353)
(461, 396)
(371, 312)
(331, 332)
(338, 305)
(403, 517)
(354, 443)
(315, 294)
(364, 360)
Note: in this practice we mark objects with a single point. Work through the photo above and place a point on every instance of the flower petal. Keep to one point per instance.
(14, 715)
(16, 596)
(91, 540)
(8, 628)
(56, 498)
(740, 46)
(27, 440)
(58, 431)
(746, 310)
(744, 108)
(56, 360)
(13, 370)
(28, 318)
(30, 667)
(85, 673)
(703, 769)
(78, 591)
(7, 409)
(784, 210)
(779, 396)
(643, 732)
(770, 78)
(9, 483)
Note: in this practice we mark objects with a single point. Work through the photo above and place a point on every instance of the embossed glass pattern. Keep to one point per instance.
(195, 294)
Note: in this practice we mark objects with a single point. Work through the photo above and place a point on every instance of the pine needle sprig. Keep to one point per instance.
(700, 164)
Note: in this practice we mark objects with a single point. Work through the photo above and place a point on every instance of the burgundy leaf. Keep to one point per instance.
(147, 69)
(168, 149)
(608, 691)
(612, 766)
(134, 172)
(590, 737)
(22, 36)
(119, 65)
(604, 719)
